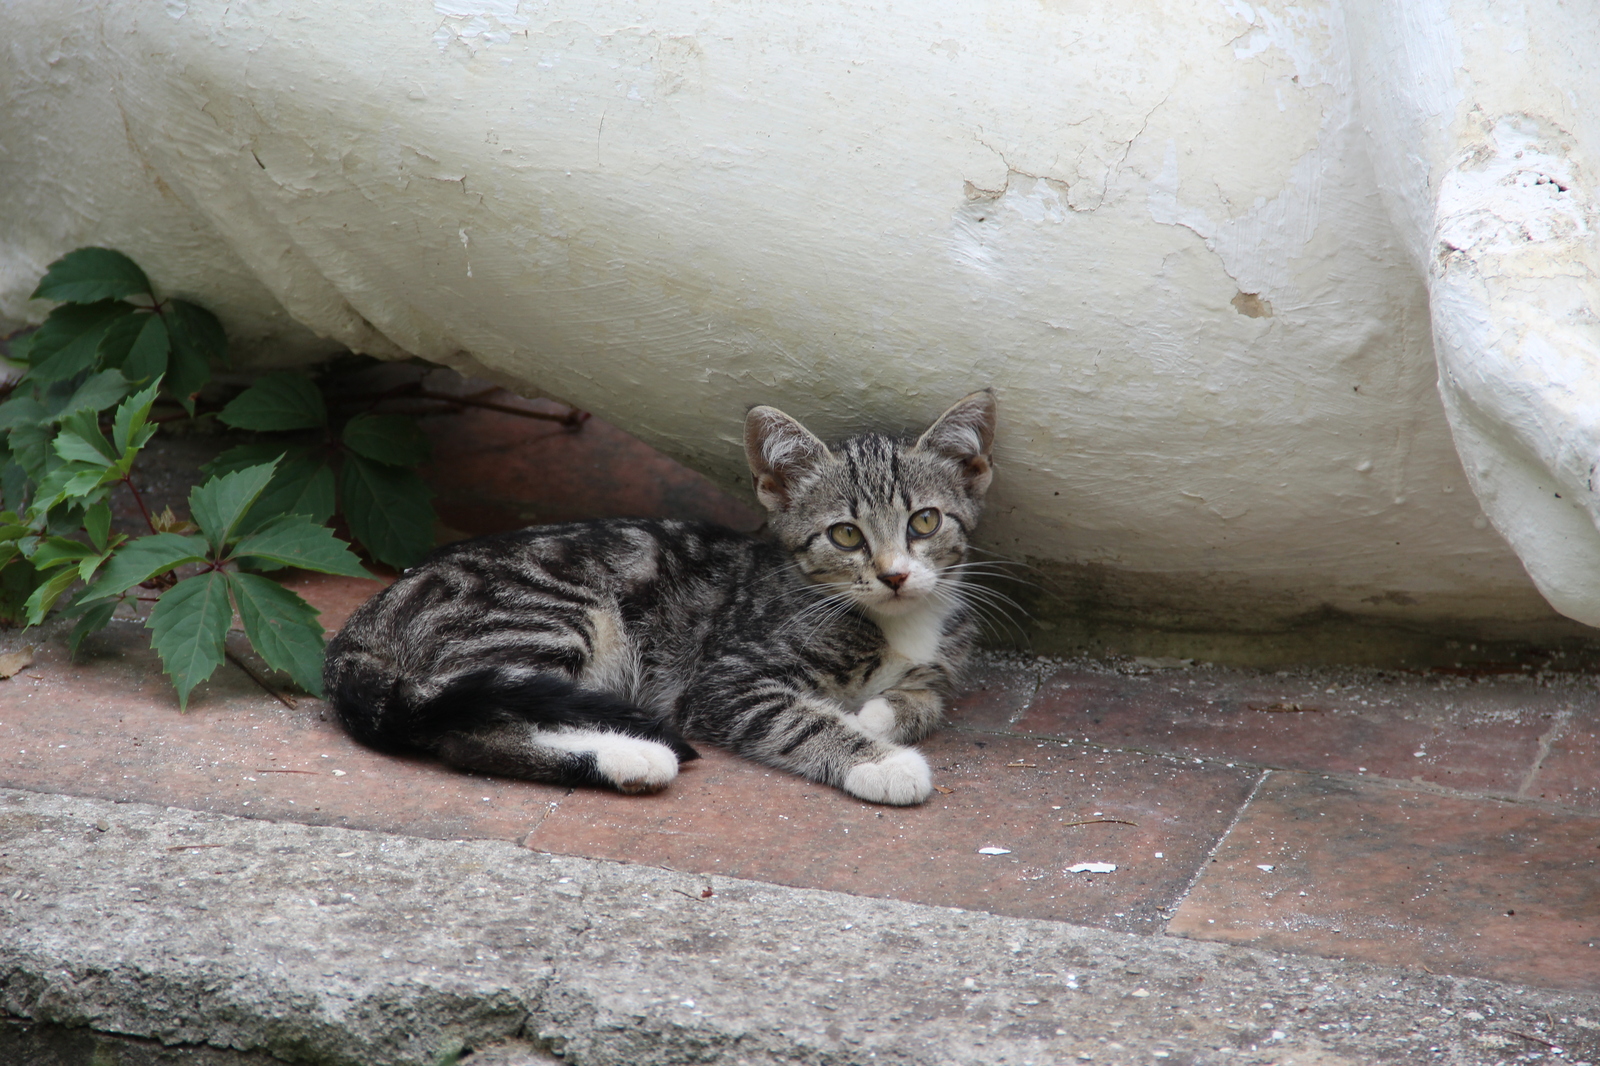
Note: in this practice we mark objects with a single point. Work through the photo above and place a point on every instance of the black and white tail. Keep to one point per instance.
(510, 721)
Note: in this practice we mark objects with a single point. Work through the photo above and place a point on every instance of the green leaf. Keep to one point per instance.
(188, 627)
(282, 628)
(300, 487)
(243, 456)
(388, 510)
(97, 522)
(137, 345)
(93, 620)
(396, 440)
(147, 359)
(217, 505)
(284, 400)
(303, 483)
(55, 551)
(140, 560)
(30, 446)
(20, 349)
(97, 393)
(68, 481)
(120, 337)
(296, 541)
(89, 565)
(197, 342)
(22, 411)
(45, 596)
(14, 485)
(86, 481)
(90, 274)
(130, 429)
(80, 440)
(70, 338)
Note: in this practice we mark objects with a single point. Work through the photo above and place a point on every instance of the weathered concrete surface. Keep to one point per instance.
(322, 945)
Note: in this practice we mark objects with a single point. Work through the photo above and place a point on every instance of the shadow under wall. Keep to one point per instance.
(494, 471)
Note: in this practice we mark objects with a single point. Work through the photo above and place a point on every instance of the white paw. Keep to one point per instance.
(629, 763)
(876, 717)
(900, 778)
(635, 765)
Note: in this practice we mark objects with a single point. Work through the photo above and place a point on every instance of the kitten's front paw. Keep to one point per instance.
(899, 778)
(876, 718)
(635, 765)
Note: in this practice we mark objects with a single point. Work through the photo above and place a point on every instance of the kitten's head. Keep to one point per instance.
(875, 519)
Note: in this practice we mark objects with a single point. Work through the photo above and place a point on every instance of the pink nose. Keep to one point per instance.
(894, 581)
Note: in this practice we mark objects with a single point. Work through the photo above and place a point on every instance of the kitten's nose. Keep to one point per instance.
(894, 580)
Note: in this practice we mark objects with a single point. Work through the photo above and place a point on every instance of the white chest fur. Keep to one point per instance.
(915, 636)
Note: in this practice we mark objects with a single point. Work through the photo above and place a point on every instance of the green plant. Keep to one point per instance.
(100, 363)
(361, 470)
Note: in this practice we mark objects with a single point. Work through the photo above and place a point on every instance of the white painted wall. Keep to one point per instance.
(1191, 244)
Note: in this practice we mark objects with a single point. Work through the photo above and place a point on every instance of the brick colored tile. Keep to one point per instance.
(334, 597)
(994, 692)
(1570, 771)
(727, 816)
(1388, 875)
(109, 726)
(1478, 735)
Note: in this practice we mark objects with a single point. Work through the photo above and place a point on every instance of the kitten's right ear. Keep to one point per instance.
(965, 433)
(779, 450)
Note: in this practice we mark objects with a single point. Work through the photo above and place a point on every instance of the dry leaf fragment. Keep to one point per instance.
(941, 788)
(13, 661)
(1019, 762)
(167, 522)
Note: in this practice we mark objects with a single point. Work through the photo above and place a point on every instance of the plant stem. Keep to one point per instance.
(127, 479)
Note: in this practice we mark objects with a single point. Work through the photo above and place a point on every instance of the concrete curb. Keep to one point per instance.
(333, 946)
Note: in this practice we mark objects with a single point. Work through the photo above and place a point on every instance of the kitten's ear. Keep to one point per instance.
(965, 433)
(779, 449)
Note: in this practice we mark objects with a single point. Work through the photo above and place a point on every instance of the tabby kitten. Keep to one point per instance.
(585, 653)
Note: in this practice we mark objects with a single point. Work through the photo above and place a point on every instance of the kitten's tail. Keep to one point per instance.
(374, 707)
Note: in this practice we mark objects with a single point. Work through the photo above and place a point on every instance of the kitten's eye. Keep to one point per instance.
(924, 523)
(846, 536)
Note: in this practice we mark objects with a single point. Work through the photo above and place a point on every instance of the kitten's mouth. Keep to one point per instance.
(895, 601)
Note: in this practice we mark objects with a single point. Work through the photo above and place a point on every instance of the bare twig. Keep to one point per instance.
(698, 899)
(194, 847)
(1535, 1039)
(1097, 821)
(283, 698)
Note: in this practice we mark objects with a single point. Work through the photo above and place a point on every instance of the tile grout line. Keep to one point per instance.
(533, 830)
(1211, 852)
(1546, 742)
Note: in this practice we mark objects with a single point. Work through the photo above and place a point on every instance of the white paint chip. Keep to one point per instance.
(1267, 866)
(1092, 868)
(994, 851)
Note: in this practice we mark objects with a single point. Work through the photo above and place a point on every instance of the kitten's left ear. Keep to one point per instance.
(779, 450)
(965, 433)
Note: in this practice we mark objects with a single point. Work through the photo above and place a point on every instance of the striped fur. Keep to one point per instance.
(585, 653)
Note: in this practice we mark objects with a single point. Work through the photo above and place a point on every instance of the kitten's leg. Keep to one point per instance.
(910, 710)
(564, 756)
(813, 737)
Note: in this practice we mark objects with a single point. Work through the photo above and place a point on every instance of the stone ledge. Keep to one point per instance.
(332, 946)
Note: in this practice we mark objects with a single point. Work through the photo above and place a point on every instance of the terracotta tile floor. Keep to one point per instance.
(1409, 820)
